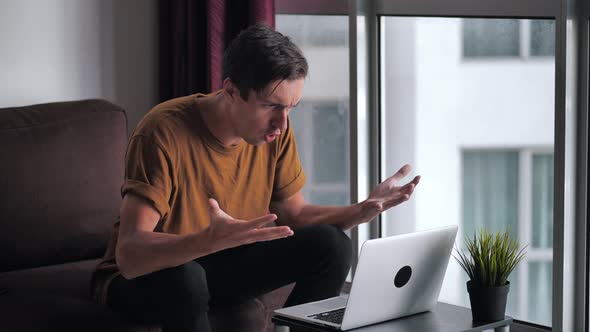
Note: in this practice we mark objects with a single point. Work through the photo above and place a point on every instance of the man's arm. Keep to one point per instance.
(296, 212)
(140, 250)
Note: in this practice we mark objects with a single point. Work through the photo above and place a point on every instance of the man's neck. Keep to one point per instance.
(217, 117)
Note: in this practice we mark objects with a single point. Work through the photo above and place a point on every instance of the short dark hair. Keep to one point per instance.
(260, 55)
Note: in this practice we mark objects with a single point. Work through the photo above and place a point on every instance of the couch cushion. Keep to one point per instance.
(55, 298)
(32, 312)
(61, 167)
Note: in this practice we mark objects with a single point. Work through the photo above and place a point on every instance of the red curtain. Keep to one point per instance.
(193, 35)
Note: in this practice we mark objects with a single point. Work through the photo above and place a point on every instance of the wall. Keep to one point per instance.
(58, 50)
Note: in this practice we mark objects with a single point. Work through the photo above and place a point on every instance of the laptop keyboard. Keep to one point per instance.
(332, 316)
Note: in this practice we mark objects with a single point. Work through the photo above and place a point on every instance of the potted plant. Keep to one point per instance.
(489, 260)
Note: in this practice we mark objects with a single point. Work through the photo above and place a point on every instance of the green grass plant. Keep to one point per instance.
(490, 257)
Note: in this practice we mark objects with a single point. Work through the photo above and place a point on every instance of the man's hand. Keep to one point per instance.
(388, 194)
(226, 232)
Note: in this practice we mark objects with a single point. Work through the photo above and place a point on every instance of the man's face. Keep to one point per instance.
(263, 117)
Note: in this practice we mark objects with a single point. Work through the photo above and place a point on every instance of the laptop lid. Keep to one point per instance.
(398, 276)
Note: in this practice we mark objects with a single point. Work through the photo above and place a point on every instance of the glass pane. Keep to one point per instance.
(491, 37)
(490, 191)
(542, 200)
(315, 30)
(320, 122)
(329, 198)
(542, 38)
(540, 290)
(467, 127)
(330, 122)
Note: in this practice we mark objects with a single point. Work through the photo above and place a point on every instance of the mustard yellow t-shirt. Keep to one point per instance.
(176, 164)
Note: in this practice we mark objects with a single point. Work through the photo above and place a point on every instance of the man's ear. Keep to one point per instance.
(231, 91)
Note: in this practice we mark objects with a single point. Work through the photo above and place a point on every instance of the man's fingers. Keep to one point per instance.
(379, 206)
(401, 173)
(397, 201)
(408, 188)
(258, 222)
(216, 210)
(213, 204)
(267, 234)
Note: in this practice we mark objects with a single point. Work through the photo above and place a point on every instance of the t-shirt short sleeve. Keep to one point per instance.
(289, 175)
(148, 173)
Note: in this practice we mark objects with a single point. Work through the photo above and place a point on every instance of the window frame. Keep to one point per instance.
(570, 249)
(582, 150)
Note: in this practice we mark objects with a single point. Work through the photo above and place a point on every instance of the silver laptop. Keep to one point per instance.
(395, 277)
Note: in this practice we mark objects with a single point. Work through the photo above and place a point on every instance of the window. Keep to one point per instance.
(541, 38)
(514, 188)
(463, 126)
(320, 122)
(306, 30)
(489, 37)
(320, 128)
(508, 38)
(427, 89)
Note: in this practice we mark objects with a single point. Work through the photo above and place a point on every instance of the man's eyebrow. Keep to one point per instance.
(270, 103)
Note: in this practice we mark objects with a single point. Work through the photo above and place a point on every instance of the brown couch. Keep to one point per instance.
(61, 167)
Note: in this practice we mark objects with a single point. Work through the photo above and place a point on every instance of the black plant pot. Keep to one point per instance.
(488, 303)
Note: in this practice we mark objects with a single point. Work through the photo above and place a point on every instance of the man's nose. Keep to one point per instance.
(280, 121)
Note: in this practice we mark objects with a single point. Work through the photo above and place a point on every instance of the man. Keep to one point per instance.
(204, 174)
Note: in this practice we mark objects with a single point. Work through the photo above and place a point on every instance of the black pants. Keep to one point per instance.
(317, 258)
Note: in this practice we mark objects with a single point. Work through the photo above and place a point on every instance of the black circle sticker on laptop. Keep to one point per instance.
(403, 276)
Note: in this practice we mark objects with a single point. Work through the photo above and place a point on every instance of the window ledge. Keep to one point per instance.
(520, 326)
